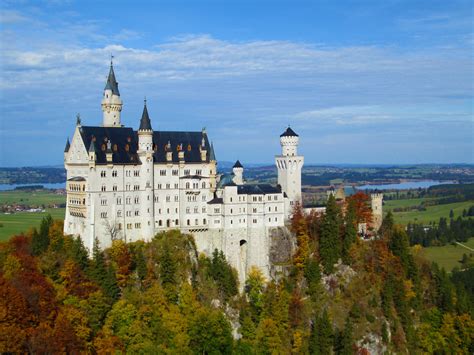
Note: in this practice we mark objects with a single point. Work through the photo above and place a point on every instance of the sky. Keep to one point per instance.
(361, 82)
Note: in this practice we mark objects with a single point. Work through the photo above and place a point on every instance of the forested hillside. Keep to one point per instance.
(341, 295)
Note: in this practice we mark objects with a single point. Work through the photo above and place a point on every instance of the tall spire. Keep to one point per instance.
(145, 123)
(111, 81)
(212, 155)
(68, 145)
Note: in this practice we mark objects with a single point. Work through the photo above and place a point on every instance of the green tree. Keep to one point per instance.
(40, 240)
(350, 230)
(223, 274)
(330, 243)
(321, 337)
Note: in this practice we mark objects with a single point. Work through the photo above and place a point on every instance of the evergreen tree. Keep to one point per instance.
(101, 273)
(313, 277)
(223, 274)
(168, 270)
(350, 230)
(40, 240)
(321, 337)
(79, 253)
(330, 243)
(345, 339)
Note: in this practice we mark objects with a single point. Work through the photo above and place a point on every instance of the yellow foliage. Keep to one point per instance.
(408, 287)
(11, 267)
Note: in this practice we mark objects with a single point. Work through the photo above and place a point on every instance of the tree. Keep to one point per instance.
(40, 240)
(254, 289)
(362, 209)
(345, 341)
(330, 243)
(168, 273)
(321, 337)
(350, 230)
(210, 333)
(225, 277)
(79, 253)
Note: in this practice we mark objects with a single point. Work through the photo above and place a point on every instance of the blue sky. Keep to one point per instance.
(360, 81)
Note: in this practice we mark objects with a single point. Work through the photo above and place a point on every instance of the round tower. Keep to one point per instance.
(238, 171)
(145, 152)
(289, 165)
(376, 203)
(111, 102)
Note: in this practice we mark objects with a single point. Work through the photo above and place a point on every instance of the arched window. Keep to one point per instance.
(204, 221)
(188, 222)
(160, 223)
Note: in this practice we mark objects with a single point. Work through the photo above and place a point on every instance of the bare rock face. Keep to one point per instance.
(282, 247)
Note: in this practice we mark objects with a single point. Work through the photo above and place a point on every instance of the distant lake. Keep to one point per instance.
(6, 187)
(405, 185)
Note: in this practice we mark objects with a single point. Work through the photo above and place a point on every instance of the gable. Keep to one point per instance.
(77, 153)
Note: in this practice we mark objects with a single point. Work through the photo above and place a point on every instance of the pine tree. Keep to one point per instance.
(321, 337)
(168, 270)
(345, 339)
(350, 231)
(40, 240)
(330, 243)
(79, 253)
(101, 273)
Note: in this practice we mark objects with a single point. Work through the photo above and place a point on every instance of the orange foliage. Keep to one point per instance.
(362, 207)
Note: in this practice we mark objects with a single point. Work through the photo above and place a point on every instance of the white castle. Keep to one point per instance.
(130, 185)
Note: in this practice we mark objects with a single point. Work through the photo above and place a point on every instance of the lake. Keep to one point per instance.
(405, 185)
(6, 187)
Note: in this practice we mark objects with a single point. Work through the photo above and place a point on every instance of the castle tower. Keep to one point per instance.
(376, 200)
(111, 102)
(145, 153)
(289, 165)
(238, 171)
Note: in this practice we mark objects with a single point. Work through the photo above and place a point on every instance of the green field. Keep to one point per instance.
(448, 256)
(16, 223)
(32, 198)
(22, 221)
(432, 213)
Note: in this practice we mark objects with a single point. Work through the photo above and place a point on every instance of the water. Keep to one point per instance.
(405, 185)
(60, 185)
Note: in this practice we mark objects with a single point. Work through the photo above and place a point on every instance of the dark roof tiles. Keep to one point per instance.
(289, 133)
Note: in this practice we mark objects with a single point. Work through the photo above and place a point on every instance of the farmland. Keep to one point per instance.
(448, 256)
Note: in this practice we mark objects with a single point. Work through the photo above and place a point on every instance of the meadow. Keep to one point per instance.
(16, 223)
(448, 256)
(432, 213)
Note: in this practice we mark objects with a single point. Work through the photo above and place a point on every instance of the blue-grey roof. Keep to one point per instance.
(145, 123)
(68, 145)
(237, 164)
(289, 133)
(226, 180)
(212, 155)
(125, 144)
(258, 189)
(111, 82)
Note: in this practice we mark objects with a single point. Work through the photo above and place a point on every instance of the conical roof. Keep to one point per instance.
(111, 82)
(145, 123)
(289, 133)
(212, 155)
(237, 164)
(68, 145)
(92, 147)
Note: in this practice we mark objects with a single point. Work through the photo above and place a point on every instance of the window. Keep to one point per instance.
(119, 213)
(137, 213)
(160, 222)
(217, 210)
(188, 222)
(196, 222)
(129, 226)
(198, 172)
(187, 185)
(276, 208)
(128, 200)
(203, 198)
(231, 211)
(204, 210)
(103, 202)
(103, 174)
(176, 186)
(204, 221)
(174, 172)
(195, 185)
(127, 187)
(103, 215)
(129, 213)
(136, 200)
(114, 173)
(103, 188)
(168, 186)
(269, 198)
(188, 210)
(136, 187)
(156, 199)
(176, 222)
(168, 198)
(176, 198)
(254, 210)
(196, 210)
(114, 188)
(254, 198)
(254, 221)
(217, 221)
(162, 172)
(120, 226)
(186, 172)
(275, 197)
(138, 225)
(136, 173)
(158, 186)
(231, 199)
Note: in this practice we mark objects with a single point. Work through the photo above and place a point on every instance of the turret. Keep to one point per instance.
(111, 102)
(145, 132)
(238, 171)
(376, 203)
(92, 154)
(289, 166)
(66, 148)
(145, 152)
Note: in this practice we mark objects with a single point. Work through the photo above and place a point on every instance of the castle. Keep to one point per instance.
(130, 185)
